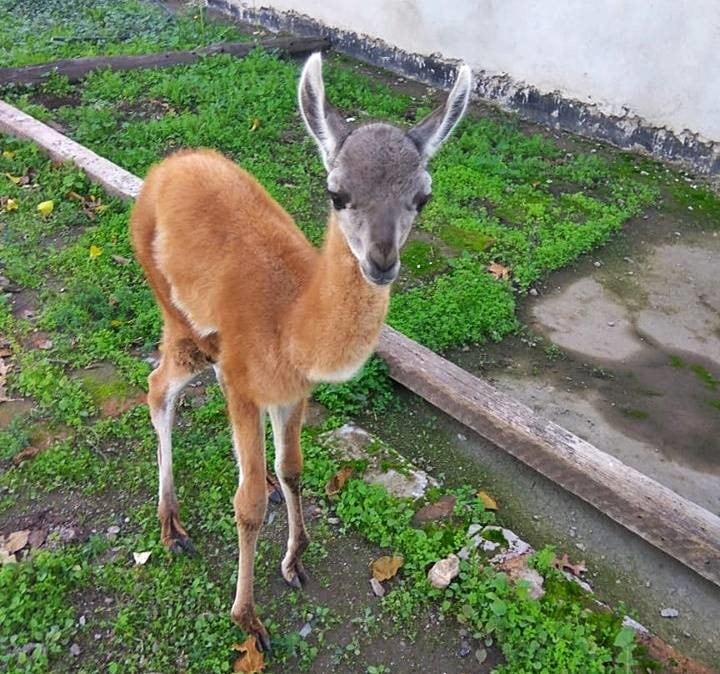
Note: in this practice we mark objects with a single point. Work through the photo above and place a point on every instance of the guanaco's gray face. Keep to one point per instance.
(377, 176)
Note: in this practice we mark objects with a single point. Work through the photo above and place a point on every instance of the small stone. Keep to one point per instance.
(533, 292)
(377, 588)
(97, 636)
(611, 324)
(580, 546)
(333, 520)
(443, 571)
(305, 630)
(75, 650)
(82, 621)
(465, 649)
(669, 613)
(481, 655)
(113, 531)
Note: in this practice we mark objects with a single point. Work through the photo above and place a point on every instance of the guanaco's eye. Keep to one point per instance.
(339, 200)
(420, 201)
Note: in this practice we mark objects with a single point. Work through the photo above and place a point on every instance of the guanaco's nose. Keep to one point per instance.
(383, 256)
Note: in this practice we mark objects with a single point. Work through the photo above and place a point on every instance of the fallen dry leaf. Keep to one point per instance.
(564, 564)
(499, 271)
(251, 660)
(46, 207)
(13, 179)
(8, 204)
(120, 259)
(337, 481)
(434, 512)
(8, 154)
(517, 569)
(255, 124)
(26, 454)
(42, 342)
(488, 501)
(141, 557)
(384, 568)
(4, 369)
(16, 541)
(95, 251)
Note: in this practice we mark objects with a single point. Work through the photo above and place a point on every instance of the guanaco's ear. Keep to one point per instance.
(429, 134)
(325, 124)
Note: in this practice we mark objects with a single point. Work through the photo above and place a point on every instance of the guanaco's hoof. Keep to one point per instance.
(275, 496)
(182, 546)
(262, 641)
(296, 576)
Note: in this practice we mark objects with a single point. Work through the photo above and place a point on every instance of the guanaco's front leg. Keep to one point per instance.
(250, 504)
(287, 423)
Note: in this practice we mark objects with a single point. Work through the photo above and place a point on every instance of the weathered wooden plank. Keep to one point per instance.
(77, 68)
(677, 526)
(115, 180)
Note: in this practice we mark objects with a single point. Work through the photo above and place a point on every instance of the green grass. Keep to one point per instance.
(499, 195)
(39, 31)
(105, 313)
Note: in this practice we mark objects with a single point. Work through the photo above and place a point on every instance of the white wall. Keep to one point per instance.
(659, 59)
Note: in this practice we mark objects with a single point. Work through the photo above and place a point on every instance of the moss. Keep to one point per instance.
(702, 202)
(495, 535)
(422, 259)
(704, 376)
(464, 239)
(102, 388)
(632, 413)
(676, 361)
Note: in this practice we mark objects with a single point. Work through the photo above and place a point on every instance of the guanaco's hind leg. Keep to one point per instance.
(287, 423)
(181, 361)
(273, 489)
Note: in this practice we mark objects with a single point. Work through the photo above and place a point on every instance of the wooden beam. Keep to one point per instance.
(77, 68)
(115, 180)
(680, 528)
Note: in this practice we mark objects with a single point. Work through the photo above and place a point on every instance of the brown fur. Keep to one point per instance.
(209, 236)
(238, 262)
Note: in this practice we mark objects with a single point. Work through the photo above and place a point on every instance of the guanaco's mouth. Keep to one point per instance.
(378, 277)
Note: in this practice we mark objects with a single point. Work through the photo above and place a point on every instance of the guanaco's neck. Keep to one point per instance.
(334, 324)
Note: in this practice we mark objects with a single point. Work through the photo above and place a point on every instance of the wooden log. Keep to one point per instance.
(680, 528)
(77, 68)
(115, 180)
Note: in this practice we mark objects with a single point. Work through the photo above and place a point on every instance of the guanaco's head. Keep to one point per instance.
(377, 173)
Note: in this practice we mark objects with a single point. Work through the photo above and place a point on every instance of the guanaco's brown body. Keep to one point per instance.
(240, 288)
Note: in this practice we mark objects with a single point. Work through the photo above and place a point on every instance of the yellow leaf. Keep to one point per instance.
(45, 208)
(8, 154)
(251, 660)
(95, 251)
(10, 205)
(488, 501)
(337, 481)
(499, 271)
(15, 179)
(384, 568)
(115, 322)
(255, 124)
